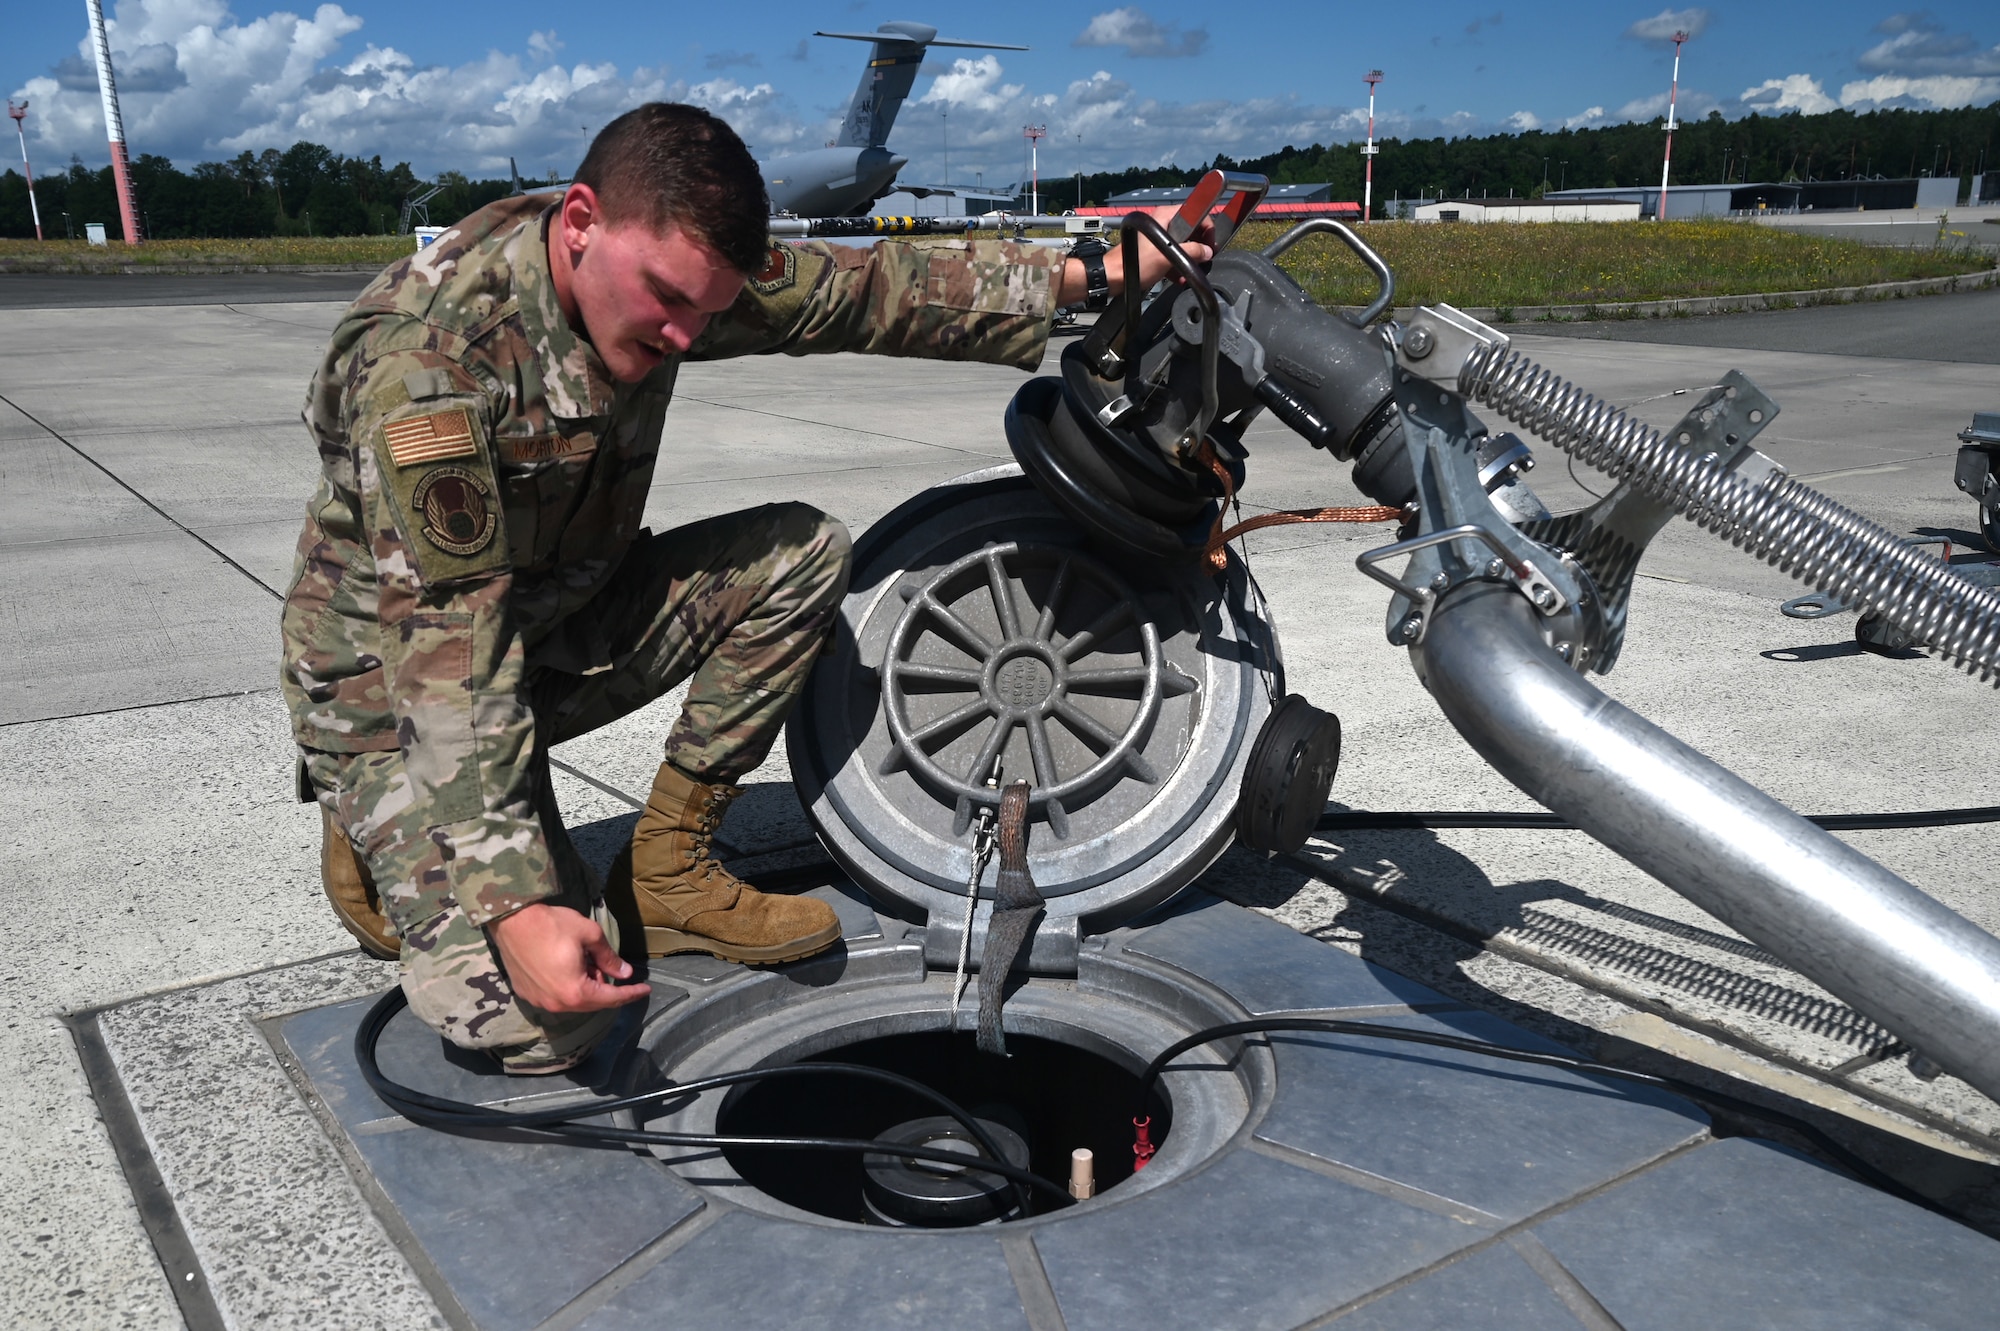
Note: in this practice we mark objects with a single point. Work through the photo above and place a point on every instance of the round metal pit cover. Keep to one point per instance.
(985, 640)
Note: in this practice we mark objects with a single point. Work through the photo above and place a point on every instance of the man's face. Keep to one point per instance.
(640, 295)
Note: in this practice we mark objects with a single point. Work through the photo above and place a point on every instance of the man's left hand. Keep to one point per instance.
(1071, 285)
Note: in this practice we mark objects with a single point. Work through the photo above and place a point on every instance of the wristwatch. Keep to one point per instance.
(1096, 284)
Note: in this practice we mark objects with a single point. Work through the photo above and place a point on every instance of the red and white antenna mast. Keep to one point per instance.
(19, 110)
(1673, 96)
(1034, 135)
(114, 124)
(1371, 78)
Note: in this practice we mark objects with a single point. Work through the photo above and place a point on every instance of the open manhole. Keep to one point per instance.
(1071, 1081)
(1041, 1102)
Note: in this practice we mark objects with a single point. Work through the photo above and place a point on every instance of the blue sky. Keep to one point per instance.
(1159, 81)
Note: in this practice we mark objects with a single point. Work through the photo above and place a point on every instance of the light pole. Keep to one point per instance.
(1562, 177)
(1673, 97)
(1371, 78)
(1035, 134)
(1079, 170)
(1545, 175)
(114, 124)
(944, 121)
(19, 110)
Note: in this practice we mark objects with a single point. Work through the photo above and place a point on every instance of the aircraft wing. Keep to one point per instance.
(934, 41)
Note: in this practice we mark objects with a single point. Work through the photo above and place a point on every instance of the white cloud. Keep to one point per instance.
(1141, 35)
(1794, 92)
(1590, 115)
(1918, 44)
(1693, 105)
(1522, 121)
(1663, 25)
(972, 85)
(205, 84)
(1935, 90)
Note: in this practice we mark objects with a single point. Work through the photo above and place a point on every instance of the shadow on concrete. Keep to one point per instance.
(1416, 939)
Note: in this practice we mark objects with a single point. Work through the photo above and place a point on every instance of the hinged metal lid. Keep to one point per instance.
(983, 633)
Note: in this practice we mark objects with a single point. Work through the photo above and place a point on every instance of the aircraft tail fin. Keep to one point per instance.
(891, 71)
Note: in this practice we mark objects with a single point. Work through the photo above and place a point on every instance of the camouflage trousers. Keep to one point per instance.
(740, 602)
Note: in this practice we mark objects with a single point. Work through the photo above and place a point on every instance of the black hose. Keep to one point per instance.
(1567, 1062)
(438, 1112)
(1349, 820)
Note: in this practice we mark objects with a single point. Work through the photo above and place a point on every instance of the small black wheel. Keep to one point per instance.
(1876, 635)
(1291, 770)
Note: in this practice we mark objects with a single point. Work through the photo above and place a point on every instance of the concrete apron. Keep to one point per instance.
(147, 527)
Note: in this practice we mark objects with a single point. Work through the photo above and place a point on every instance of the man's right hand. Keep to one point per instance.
(559, 960)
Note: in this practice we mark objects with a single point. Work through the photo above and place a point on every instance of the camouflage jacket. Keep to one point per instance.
(482, 476)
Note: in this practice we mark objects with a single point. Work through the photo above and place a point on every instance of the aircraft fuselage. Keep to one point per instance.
(830, 182)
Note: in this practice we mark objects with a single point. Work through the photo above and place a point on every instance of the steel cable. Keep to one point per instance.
(1780, 520)
(438, 1112)
(1701, 1095)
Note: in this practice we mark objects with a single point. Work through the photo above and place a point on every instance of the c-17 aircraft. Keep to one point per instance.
(845, 178)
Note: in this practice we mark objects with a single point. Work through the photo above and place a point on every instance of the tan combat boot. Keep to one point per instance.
(668, 887)
(352, 892)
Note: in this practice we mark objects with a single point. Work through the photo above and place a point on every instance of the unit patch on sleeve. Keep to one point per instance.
(433, 438)
(457, 511)
(781, 269)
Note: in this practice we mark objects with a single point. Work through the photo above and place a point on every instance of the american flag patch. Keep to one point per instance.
(432, 438)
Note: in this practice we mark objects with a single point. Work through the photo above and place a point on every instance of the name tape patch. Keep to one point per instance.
(542, 447)
(433, 438)
(456, 506)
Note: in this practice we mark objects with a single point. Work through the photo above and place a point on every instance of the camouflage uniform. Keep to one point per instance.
(473, 583)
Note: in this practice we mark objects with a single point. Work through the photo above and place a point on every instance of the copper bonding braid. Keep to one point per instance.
(1779, 520)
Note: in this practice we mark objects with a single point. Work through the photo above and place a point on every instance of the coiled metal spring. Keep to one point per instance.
(1780, 520)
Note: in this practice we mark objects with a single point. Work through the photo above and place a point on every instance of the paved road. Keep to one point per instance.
(58, 291)
(1964, 327)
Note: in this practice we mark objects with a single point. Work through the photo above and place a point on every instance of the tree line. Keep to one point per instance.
(307, 189)
(310, 190)
(1834, 145)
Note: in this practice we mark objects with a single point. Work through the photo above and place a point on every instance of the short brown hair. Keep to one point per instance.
(670, 165)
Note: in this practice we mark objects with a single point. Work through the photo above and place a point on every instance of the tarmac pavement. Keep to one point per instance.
(152, 475)
(1964, 328)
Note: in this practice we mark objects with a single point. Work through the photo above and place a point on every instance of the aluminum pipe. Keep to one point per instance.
(1900, 957)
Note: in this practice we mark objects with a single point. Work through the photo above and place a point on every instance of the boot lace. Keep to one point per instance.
(701, 838)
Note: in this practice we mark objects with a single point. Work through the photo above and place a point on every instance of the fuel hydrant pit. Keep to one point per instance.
(1049, 1096)
(1071, 1081)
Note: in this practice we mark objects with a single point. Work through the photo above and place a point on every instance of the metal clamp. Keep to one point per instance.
(984, 836)
(1207, 309)
(1523, 575)
(1437, 341)
(1121, 316)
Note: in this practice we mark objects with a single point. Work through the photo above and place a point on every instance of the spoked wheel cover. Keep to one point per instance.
(1030, 677)
(981, 624)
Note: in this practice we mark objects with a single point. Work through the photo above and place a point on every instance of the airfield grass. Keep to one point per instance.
(80, 256)
(1497, 266)
(1508, 266)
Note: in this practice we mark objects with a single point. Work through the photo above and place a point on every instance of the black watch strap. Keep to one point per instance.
(1096, 283)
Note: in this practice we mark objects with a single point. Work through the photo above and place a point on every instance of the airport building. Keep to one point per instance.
(1795, 196)
(962, 201)
(1526, 210)
(1295, 201)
